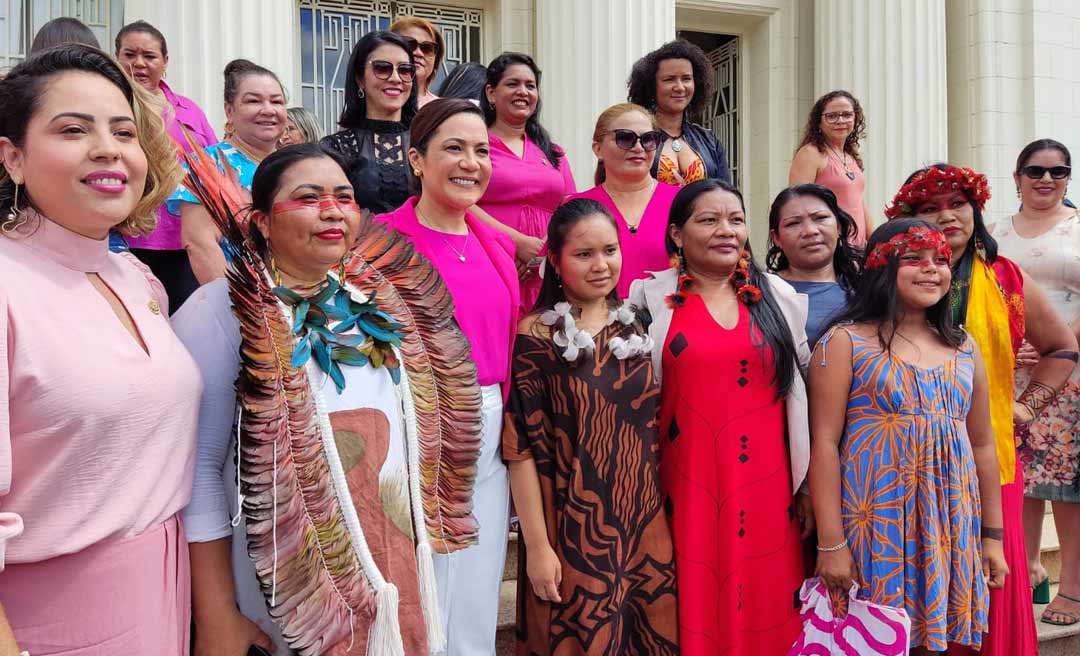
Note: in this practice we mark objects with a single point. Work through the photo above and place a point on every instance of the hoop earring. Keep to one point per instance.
(15, 216)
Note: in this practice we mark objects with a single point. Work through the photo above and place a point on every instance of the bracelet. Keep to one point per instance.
(831, 549)
(992, 533)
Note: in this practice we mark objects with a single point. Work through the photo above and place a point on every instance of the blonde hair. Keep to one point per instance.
(163, 171)
(603, 127)
(305, 123)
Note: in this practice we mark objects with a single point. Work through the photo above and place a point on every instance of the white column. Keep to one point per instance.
(891, 56)
(204, 35)
(585, 49)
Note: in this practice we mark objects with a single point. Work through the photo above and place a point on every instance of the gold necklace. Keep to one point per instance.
(426, 222)
(245, 152)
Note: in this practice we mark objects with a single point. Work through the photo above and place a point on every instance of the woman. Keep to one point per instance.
(722, 329)
(451, 154)
(530, 175)
(61, 31)
(1043, 238)
(466, 80)
(360, 338)
(300, 127)
(427, 48)
(255, 120)
(998, 305)
(623, 142)
(142, 51)
(583, 469)
(674, 81)
(90, 484)
(810, 247)
(380, 102)
(828, 155)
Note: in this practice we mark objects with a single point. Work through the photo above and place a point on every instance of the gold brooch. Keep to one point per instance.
(154, 307)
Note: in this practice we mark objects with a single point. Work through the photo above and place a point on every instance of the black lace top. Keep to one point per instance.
(378, 163)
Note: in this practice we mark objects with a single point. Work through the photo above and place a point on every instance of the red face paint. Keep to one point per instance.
(322, 203)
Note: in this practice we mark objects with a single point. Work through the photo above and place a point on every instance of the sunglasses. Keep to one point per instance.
(428, 48)
(626, 139)
(838, 117)
(1037, 172)
(384, 69)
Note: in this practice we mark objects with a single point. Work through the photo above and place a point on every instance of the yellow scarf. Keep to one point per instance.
(987, 322)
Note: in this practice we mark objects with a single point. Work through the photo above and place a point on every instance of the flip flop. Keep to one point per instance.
(1074, 617)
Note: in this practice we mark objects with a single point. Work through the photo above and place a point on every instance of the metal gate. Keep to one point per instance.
(330, 28)
(722, 115)
(21, 19)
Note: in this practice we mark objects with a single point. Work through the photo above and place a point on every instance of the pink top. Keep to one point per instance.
(97, 438)
(643, 250)
(484, 286)
(179, 111)
(849, 192)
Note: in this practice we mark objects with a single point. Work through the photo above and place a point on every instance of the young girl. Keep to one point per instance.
(903, 453)
(581, 439)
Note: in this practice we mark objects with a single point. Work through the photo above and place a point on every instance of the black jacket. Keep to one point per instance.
(379, 186)
(708, 148)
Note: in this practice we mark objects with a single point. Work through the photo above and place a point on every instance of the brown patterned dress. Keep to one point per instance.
(591, 427)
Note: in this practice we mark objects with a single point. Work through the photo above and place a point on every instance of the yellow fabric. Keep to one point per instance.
(987, 321)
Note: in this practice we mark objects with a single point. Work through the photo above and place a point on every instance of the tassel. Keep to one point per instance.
(385, 636)
(429, 598)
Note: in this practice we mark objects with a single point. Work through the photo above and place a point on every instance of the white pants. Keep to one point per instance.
(469, 579)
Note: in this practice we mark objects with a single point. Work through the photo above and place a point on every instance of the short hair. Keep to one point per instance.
(305, 122)
(642, 82)
(142, 27)
(20, 96)
(60, 31)
(405, 22)
(432, 115)
(238, 70)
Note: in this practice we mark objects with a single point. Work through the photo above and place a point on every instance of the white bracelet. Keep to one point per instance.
(831, 549)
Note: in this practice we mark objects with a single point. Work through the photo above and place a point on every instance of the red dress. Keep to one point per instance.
(725, 471)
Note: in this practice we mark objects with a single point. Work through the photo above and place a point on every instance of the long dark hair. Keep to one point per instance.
(536, 132)
(563, 220)
(979, 233)
(845, 256)
(141, 27)
(466, 80)
(875, 298)
(355, 111)
(60, 31)
(641, 86)
(765, 315)
(813, 135)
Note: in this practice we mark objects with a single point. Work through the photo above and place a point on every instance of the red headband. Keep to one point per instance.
(917, 238)
(933, 181)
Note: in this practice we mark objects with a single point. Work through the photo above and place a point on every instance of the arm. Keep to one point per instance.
(525, 247)
(200, 238)
(1056, 343)
(805, 167)
(829, 388)
(544, 570)
(981, 435)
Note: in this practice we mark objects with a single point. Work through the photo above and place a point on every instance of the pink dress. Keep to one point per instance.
(97, 441)
(523, 193)
(849, 192)
(643, 249)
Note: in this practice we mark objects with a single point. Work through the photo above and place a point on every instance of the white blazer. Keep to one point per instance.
(651, 294)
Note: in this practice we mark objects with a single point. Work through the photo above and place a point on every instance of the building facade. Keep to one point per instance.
(967, 81)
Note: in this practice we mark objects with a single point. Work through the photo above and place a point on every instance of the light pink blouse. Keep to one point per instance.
(97, 437)
(849, 192)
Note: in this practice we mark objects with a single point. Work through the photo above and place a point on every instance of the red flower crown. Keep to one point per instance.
(917, 238)
(936, 181)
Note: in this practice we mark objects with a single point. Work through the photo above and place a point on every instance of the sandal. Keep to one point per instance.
(1073, 617)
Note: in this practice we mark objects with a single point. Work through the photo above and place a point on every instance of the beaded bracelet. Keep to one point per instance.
(831, 549)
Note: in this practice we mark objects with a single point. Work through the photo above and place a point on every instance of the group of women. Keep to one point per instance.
(318, 449)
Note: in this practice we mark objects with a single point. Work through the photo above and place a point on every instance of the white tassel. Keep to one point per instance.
(385, 636)
(429, 598)
(239, 495)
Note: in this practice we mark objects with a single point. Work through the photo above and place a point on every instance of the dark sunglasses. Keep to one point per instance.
(384, 69)
(626, 139)
(426, 47)
(1037, 172)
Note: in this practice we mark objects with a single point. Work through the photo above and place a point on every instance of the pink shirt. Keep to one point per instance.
(97, 438)
(643, 250)
(180, 112)
(484, 286)
(849, 192)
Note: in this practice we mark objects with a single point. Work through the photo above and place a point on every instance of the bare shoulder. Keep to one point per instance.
(531, 326)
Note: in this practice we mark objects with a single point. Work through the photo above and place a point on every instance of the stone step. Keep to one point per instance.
(1050, 554)
(504, 637)
(510, 568)
(1056, 640)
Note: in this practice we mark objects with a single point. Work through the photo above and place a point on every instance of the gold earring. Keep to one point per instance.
(416, 172)
(15, 216)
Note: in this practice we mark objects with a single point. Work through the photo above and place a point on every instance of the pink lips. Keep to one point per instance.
(106, 182)
(331, 235)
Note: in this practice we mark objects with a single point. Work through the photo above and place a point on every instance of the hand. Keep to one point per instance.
(1022, 415)
(837, 570)
(525, 247)
(1027, 356)
(804, 510)
(228, 634)
(995, 569)
(545, 572)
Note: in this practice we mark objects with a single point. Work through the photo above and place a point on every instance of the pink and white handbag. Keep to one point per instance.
(867, 630)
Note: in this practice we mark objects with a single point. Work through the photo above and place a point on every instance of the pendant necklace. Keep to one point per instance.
(676, 143)
(843, 162)
(464, 248)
